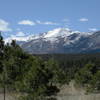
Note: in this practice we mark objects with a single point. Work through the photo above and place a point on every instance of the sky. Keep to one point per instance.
(25, 17)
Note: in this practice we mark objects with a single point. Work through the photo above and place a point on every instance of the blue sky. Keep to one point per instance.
(23, 17)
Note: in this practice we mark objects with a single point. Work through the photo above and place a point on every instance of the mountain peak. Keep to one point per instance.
(58, 32)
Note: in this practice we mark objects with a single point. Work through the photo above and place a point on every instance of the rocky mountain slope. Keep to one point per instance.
(60, 40)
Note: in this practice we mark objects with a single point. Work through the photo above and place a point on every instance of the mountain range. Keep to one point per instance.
(60, 40)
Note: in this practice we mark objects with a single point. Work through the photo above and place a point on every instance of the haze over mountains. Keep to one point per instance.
(60, 40)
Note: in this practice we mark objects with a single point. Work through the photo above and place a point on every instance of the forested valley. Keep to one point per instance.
(39, 77)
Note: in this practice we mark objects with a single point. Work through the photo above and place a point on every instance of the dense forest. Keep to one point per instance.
(38, 77)
(83, 68)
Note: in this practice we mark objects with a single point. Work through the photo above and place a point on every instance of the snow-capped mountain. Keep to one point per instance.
(49, 36)
(60, 40)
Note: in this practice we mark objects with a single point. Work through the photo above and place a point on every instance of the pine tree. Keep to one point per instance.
(2, 54)
(1, 46)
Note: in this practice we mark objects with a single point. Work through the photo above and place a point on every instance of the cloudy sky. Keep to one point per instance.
(23, 17)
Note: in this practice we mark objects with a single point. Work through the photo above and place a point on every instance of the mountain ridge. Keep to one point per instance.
(60, 40)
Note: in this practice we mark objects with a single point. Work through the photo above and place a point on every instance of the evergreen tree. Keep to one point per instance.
(1, 46)
(2, 65)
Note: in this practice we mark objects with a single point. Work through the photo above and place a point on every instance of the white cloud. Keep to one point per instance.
(50, 23)
(83, 20)
(20, 34)
(93, 29)
(4, 26)
(26, 22)
(46, 23)
(31, 23)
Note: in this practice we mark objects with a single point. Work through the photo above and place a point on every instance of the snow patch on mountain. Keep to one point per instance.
(52, 36)
(17, 38)
(58, 32)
